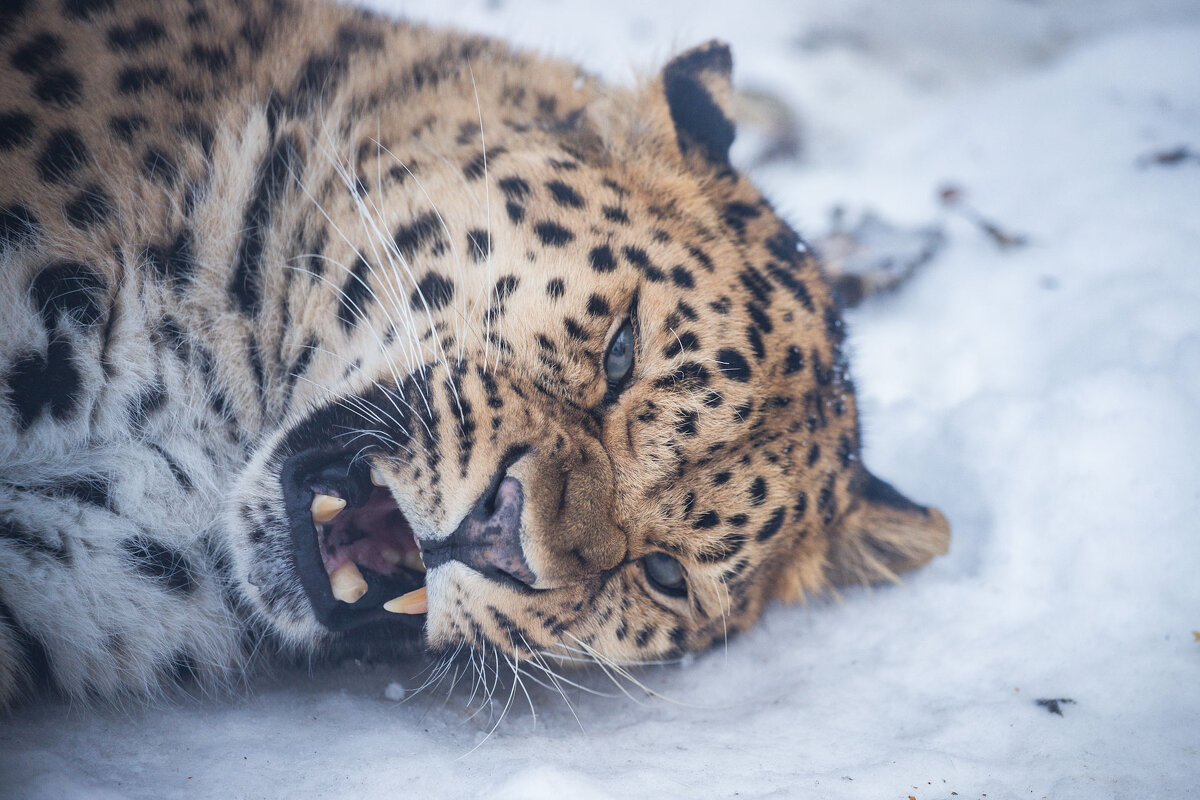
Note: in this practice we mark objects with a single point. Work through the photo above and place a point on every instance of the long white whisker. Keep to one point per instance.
(487, 200)
(503, 712)
(362, 281)
(392, 396)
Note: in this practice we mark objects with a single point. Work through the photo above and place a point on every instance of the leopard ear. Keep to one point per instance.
(883, 534)
(698, 92)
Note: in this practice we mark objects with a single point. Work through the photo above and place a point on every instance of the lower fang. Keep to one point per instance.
(415, 602)
(391, 555)
(347, 583)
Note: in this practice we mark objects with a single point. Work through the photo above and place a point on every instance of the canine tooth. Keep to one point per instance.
(391, 555)
(347, 583)
(377, 477)
(412, 560)
(415, 602)
(325, 507)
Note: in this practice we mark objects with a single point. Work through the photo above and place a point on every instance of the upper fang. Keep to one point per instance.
(325, 507)
(377, 477)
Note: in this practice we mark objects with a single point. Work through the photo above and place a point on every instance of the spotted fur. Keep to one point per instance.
(230, 231)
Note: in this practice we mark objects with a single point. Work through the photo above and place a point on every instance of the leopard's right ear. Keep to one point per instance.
(698, 91)
(881, 534)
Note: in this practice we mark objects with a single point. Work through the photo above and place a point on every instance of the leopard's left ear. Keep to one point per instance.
(698, 92)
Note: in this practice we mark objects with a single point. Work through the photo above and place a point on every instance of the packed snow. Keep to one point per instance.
(1043, 396)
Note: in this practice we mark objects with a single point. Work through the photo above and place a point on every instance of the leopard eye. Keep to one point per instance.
(618, 362)
(665, 574)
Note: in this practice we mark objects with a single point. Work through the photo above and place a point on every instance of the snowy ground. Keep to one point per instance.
(1045, 397)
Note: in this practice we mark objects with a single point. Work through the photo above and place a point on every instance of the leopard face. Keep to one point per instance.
(327, 330)
(586, 374)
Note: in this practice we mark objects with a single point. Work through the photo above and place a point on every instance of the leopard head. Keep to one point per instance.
(581, 391)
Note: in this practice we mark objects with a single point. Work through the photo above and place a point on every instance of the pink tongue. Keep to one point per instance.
(364, 553)
(364, 534)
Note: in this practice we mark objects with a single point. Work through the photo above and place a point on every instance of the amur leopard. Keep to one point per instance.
(320, 330)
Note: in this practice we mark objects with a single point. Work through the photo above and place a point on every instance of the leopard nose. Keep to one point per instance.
(488, 540)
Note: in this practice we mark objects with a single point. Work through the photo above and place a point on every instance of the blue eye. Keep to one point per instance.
(618, 362)
(665, 574)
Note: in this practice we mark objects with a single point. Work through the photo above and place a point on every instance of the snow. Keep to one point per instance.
(1044, 397)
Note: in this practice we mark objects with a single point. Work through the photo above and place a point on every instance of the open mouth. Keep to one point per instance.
(356, 554)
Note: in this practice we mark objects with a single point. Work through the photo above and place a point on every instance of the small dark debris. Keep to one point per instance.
(1168, 157)
(1054, 704)
(954, 198)
(871, 256)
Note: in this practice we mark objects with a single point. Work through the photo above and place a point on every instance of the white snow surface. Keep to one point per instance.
(1045, 397)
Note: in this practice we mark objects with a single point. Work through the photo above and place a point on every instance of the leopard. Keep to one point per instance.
(323, 331)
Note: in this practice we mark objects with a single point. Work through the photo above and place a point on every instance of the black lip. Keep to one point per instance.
(335, 470)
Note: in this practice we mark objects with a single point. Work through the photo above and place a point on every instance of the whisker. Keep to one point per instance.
(412, 339)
